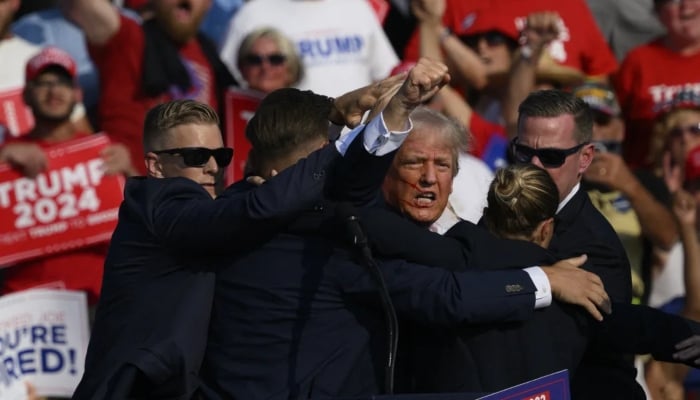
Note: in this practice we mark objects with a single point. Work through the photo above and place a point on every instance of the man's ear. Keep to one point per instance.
(587, 153)
(154, 168)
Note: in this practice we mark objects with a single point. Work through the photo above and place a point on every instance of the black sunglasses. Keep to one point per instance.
(678, 131)
(492, 38)
(549, 157)
(272, 59)
(199, 156)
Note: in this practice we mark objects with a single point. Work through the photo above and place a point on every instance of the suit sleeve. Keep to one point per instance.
(635, 329)
(392, 236)
(361, 171)
(359, 175)
(185, 218)
(435, 295)
(464, 246)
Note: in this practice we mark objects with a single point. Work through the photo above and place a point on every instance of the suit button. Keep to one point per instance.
(318, 208)
(319, 175)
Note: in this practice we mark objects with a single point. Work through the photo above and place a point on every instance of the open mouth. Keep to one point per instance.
(425, 199)
(183, 9)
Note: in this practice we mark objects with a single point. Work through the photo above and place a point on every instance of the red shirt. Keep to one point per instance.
(79, 269)
(483, 133)
(581, 45)
(650, 76)
(123, 105)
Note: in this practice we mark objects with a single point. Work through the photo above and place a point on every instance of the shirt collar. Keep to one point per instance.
(568, 197)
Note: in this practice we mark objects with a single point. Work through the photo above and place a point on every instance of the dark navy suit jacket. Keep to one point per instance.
(298, 317)
(489, 358)
(580, 228)
(151, 322)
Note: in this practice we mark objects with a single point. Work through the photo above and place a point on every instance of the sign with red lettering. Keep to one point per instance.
(539, 396)
(240, 105)
(554, 386)
(14, 114)
(72, 204)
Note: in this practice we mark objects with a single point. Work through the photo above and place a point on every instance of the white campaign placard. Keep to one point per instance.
(43, 340)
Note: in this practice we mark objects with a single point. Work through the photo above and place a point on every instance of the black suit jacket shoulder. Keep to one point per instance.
(464, 246)
(581, 229)
(158, 282)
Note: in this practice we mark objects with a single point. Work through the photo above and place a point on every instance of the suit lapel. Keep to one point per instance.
(568, 215)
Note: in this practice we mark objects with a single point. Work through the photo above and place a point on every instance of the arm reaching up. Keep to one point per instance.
(98, 19)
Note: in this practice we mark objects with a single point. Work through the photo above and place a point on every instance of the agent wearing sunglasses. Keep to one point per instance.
(634, 201)
(554, 132)
(152, 320)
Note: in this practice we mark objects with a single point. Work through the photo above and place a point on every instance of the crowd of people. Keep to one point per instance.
(511, 185)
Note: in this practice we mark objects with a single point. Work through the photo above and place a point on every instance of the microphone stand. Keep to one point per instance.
(392, 323)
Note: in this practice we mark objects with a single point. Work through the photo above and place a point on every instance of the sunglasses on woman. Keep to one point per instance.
(272, 59)
(693, 129)
(199, 156)
(549, 157)
(492, 38)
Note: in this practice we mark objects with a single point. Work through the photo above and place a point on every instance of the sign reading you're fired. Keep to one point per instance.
(70, 205)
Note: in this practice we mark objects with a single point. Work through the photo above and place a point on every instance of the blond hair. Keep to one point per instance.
(520, 197)
(165, 116)
(295, 68)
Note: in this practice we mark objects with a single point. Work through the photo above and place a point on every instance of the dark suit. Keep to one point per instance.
(579, 229)
(484, 357)
(298, 318)
(151, 322)
(492, 357)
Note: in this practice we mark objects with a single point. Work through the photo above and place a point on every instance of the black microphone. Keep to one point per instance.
(357, 235)
(347, 213)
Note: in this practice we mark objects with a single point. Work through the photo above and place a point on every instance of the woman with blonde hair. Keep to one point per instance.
(522, 202)
(268, 60)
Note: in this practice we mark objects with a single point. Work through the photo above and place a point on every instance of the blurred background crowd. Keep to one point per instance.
(635, 62)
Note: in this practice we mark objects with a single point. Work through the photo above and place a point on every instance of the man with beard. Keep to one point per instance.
(14, 53)
(52, 93)
(142, 66)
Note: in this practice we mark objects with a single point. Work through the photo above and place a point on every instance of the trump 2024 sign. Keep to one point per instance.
(70, 205)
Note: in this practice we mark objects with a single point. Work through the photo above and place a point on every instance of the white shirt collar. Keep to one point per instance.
(568, 197)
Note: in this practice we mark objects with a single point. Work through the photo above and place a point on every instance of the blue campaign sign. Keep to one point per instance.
(549, 387)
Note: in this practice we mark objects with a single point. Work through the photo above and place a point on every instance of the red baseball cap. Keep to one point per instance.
(49, 57)
(692, 165)
(482, 21)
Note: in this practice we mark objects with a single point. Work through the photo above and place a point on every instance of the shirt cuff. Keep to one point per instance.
(543, 295)
(377, 138)
(379, 141)
(344, 141)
